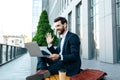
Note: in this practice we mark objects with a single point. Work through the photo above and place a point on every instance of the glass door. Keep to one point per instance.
(118, 28)
(94, 28)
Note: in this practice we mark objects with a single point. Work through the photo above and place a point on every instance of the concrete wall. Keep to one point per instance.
(84, 25)
(106, 31)
(107, 41)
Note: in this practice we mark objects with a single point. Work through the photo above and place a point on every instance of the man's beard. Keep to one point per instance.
(61, 31)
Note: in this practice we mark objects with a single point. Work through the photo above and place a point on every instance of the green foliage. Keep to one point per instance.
(43, 28)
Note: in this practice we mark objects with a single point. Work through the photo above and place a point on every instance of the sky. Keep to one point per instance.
(16, 17)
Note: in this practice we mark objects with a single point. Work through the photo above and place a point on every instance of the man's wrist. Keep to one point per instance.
(49, 45)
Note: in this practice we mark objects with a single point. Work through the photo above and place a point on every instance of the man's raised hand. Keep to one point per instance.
(49, 38)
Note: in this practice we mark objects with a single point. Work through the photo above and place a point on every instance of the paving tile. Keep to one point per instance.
(112, 70)
(20, 68)
(17, 69)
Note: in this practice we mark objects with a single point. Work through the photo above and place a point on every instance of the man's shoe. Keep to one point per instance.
(35, 77)
(45, 73)
(40, 74)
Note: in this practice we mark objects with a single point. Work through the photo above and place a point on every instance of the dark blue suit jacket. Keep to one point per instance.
(71, 53)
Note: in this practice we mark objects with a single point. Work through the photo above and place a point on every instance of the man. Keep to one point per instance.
(65, 56)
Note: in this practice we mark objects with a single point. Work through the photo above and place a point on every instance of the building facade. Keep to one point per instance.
(36, 11)
(96, 22)
(14, 40)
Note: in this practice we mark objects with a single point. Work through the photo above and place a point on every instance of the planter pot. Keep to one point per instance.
(34, 60)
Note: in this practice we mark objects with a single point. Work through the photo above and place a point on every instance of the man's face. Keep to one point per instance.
(60, 27)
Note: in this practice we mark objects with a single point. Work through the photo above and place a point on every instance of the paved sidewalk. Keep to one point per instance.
(21, 67)
(17, 69)
(112, 70)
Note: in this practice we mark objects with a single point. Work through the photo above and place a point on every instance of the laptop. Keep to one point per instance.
(34, 49)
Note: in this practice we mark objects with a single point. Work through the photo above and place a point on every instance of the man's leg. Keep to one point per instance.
(42, 71)
(43, 61)
(41, 64)
(53, 68)
(48, 64)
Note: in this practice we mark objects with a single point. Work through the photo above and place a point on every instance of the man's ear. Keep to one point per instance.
(65, 25)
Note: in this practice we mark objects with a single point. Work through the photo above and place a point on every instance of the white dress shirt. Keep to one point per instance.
(63, 36)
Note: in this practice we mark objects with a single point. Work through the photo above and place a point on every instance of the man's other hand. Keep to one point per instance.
(54, 56)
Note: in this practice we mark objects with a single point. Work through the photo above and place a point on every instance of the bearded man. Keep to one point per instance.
(65, 56)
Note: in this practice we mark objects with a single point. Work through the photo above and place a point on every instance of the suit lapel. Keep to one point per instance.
(59, 44)
(66, 40)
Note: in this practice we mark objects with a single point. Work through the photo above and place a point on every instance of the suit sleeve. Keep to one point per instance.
(73, 50)
(52, 49)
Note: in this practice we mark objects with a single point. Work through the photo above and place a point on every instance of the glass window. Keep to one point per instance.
(91, 12)
(91, 2)
(64, 4)
(69, 21)
(94, 27)
(118, 27)
(78, 19)
(67, 2)
(4, 53)
(118, 12)
(0, 53)
(12, 41)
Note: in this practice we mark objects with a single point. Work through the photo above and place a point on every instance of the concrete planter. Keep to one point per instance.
(34, 60)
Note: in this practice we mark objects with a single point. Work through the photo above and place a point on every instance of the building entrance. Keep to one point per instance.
(118, 28)
(93, 29)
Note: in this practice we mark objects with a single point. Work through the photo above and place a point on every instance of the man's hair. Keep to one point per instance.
(62, 19)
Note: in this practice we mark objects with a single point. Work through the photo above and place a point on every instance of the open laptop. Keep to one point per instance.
(34, 50)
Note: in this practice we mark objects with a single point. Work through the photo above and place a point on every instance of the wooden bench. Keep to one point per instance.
(56, 77)
(86, 74)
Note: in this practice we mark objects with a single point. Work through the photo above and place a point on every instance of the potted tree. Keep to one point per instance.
(43, 28)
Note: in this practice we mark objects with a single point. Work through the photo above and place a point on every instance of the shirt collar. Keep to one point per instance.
(64, 35)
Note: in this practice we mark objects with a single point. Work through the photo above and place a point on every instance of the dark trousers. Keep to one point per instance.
(45, 63)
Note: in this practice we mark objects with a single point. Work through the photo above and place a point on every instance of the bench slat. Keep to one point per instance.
(52, 78)
(56, 77)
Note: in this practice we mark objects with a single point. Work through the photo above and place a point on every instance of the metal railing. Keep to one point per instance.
(9, 53)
